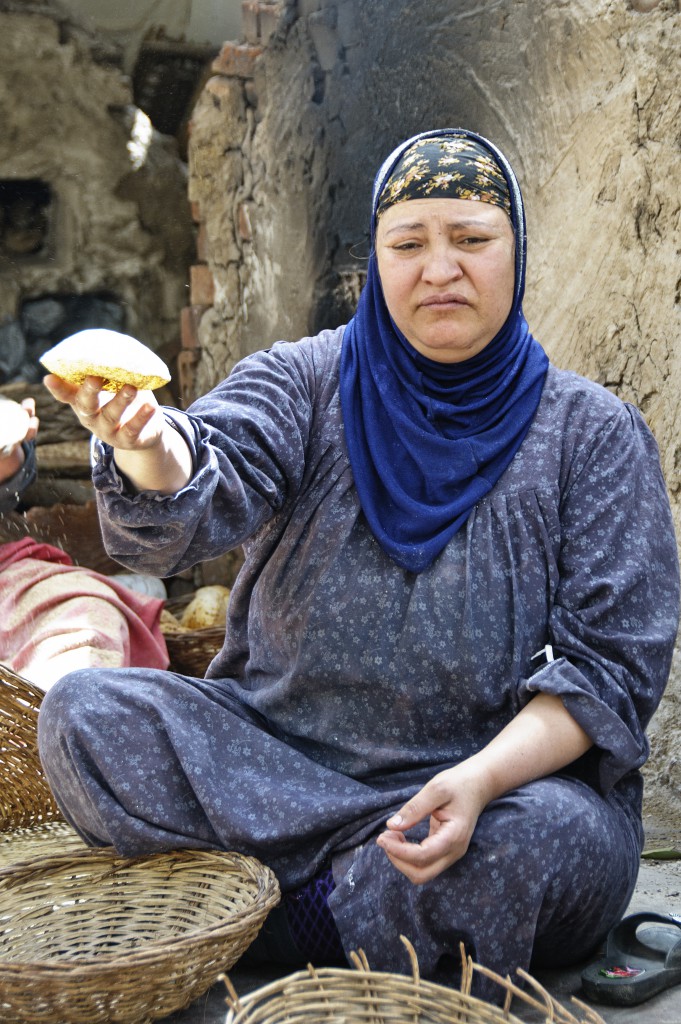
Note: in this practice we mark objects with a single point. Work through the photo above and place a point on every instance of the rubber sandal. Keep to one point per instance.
(642, 958)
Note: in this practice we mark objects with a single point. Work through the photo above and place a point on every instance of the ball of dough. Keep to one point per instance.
(117, 358)
(14, 421)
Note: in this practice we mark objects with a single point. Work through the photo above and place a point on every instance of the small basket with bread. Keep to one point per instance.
(194, 628)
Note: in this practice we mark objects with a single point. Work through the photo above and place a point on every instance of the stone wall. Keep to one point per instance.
(120, 222)
(582, 96)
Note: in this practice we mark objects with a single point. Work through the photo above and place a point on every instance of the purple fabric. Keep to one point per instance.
(312, 925)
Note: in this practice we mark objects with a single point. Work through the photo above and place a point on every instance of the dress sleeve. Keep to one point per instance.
(615, 614)
(248, 439)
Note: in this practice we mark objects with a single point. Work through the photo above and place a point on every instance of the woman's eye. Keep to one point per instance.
(473, 240)
(406, 246)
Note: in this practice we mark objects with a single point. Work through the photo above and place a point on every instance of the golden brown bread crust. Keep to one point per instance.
(117, 358)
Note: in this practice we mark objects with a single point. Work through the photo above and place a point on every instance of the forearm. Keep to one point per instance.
(540, 740)
(165, 468)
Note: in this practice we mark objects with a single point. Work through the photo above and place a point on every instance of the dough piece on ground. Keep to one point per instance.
(117, 358)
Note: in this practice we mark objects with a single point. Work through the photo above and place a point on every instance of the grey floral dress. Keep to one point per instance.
(345, 682)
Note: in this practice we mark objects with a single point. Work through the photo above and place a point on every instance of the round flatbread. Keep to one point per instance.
(14, 421)
(117, 358)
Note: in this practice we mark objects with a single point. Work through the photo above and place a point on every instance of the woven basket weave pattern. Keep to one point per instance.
(45, 840)
(92, 937)
(25, 797)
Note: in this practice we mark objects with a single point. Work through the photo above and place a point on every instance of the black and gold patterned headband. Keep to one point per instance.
(446, 167)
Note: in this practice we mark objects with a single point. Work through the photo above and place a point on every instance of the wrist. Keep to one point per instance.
(475, 777)
(164, 466)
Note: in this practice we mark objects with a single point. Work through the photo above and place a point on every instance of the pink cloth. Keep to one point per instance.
(27, 547)
(56, 617)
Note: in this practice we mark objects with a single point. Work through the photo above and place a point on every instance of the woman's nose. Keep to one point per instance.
(442, 264)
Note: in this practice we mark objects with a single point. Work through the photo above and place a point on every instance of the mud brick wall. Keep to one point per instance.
(114, 193)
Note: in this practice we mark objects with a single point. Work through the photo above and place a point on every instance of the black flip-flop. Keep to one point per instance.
(642, 958)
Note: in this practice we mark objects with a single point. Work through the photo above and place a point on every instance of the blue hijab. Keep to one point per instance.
(427, 440)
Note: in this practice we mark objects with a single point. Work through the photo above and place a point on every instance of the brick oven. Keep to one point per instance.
(95, 227)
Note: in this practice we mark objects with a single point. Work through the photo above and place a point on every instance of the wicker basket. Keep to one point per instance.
(94, 938)
(25, 797)
(335, 995)
(192, 650)
(46, 840)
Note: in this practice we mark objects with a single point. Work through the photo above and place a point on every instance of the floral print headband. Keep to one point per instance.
(446, 167)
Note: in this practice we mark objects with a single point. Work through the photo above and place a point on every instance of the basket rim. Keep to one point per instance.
(265, 895)
(361, 974)
(379, 986)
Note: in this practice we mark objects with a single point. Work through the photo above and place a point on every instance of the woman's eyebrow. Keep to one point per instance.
(461, 222)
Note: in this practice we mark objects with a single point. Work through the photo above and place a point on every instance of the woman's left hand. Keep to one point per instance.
(454, 800)
(541, 739)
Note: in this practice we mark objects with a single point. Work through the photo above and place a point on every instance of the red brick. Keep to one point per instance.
(202, 243)
(244, 222)
(236, 60)
(196, 212)
(190, 318)
(201, 285)
(187, 362)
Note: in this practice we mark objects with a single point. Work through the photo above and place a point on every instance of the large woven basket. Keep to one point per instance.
(30, 822)
(25, 797)
(93, 937)
(336, 995)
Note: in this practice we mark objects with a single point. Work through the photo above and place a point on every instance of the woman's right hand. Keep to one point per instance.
(151, 454)
(129, 420)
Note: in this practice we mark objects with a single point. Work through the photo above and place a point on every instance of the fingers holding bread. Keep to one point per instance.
(108, 379)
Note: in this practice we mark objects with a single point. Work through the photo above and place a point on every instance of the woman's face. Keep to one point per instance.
(447, 269)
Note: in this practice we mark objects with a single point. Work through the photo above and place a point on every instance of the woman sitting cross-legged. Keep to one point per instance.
(454, 621)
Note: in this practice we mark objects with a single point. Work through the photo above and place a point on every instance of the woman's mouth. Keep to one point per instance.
(450, 300)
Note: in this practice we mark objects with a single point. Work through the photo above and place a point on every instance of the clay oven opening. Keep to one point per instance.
(26, 215)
